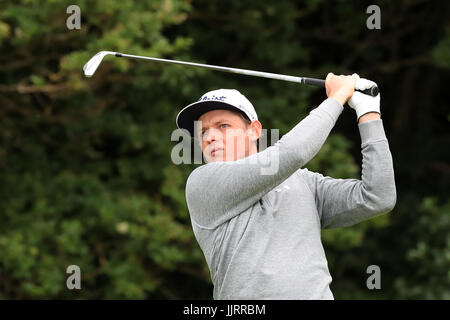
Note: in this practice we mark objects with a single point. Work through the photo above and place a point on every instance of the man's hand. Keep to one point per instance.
(363, 103)
(341, 87)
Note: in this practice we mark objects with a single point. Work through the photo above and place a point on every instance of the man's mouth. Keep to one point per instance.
(213, 152)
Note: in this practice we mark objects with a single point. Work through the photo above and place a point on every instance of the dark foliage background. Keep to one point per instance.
(85, 164)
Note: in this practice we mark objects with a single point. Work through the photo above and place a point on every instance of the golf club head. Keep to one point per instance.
(93, 63)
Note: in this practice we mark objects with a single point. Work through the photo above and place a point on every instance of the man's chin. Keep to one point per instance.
(218, 156)
(223, 156)
(214, 159)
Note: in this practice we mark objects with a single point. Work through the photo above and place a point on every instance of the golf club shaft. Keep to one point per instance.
(311, 81)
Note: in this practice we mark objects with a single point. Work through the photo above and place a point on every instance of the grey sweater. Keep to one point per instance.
(260, 233)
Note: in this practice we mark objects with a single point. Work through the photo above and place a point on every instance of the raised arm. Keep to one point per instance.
(343, 202)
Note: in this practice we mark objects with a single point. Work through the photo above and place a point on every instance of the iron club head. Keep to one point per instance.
(91, 66)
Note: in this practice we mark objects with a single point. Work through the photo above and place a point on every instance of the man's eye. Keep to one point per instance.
(223, 124)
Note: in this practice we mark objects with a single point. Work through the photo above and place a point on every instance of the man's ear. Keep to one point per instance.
(255, 130)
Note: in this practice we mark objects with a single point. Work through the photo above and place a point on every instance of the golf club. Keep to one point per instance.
(91, 66)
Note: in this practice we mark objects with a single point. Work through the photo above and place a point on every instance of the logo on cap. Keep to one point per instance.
(213, 98)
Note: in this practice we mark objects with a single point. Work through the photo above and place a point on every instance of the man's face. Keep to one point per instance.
(224, 136)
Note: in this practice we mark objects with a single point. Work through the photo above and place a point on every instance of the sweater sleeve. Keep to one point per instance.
(218, 191)
(343, 202)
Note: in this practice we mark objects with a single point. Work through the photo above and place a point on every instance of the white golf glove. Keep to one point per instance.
(363, 103)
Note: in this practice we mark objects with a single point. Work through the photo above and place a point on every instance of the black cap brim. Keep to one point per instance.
(191, 113)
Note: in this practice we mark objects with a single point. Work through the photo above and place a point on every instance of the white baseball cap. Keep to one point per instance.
(227, 99)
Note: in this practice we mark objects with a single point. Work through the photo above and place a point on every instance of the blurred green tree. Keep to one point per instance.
(85, 165)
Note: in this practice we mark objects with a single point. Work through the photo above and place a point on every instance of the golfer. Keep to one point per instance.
(261, 233)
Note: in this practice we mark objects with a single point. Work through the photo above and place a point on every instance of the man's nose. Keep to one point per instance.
(212, 135)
